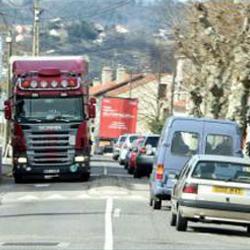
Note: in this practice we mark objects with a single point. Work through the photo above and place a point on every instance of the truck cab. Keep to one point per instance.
(49, 111)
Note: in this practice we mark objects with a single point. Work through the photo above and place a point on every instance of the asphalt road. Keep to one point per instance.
(110, 211)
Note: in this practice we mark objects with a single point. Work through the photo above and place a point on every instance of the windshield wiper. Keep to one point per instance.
(59, 118)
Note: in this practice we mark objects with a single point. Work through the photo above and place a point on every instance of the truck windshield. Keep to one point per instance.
(49, 109)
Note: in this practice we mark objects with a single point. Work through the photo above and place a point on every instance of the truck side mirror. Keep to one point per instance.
(7, 110)
(92, 108)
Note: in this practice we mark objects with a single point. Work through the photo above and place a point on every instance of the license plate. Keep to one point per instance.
(228, 190)
(51, 171)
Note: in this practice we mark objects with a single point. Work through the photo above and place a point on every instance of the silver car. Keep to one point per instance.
(212, 188)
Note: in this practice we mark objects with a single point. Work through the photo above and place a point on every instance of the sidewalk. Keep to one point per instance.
(6, 167)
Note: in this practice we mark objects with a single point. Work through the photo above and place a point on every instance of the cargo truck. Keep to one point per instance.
(49, 112)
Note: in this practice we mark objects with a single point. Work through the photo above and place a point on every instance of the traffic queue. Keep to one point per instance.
(197, 164)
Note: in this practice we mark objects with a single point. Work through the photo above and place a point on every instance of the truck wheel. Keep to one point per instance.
(18, 179)
(181, 222)
(156, 204)
(173, 219)
(84, 177)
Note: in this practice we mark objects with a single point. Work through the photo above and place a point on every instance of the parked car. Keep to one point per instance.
(145, 156)
(126, 146)
(212, 188)
(133, 154)
(117, 146)
(183, 137)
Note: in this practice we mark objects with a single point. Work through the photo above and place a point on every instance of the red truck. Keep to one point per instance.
(49, 110)
(118, 116)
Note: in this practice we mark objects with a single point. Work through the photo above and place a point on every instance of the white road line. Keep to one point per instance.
(41, 185)
(108, 244)
(63, 245)
(117, 212)
(105, 171)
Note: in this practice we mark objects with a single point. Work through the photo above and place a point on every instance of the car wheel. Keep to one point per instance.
(137, 174)
(130, 170)
(181, 222)
(156, 204)
(248, 229)
(173, 219)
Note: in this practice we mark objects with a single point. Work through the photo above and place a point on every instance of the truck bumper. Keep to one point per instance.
(72, 171)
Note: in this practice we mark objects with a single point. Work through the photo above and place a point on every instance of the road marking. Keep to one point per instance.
(41, 185)
(105, 171)
(55, 197)
(117, 213)
(63, 245)
(108, 244)
(28, 198)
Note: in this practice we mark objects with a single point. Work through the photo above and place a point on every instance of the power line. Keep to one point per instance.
(100, 13)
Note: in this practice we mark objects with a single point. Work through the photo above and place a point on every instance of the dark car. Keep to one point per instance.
(145, 156)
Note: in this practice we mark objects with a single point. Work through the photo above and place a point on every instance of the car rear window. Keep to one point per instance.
(133, 138)
(185, 143)
(122, 139)
(219, 145)
(224, 171)
(153, 141)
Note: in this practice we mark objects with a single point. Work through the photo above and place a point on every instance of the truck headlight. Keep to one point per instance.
(79, 158)
(22, 160)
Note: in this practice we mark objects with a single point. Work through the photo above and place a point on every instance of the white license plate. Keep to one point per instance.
(51, 171)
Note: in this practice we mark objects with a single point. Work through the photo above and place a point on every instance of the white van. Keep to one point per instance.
(183, 137)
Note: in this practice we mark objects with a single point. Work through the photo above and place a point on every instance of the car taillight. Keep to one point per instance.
(190, 188)
(159, 171)
(143, 150)
(18, 141)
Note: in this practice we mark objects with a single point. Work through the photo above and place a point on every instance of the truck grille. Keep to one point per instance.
(49, 148)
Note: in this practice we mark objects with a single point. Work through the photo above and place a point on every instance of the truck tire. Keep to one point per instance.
(18, 179)
(173, 219)
(157, 204)
(181, 222)
(84, 177)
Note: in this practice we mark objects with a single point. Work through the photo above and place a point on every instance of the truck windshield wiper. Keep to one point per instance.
(59, 118)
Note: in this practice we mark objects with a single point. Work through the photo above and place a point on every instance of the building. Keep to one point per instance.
(152, 92)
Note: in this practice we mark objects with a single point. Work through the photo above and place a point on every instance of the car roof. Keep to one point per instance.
(221, 158)
(201, 119)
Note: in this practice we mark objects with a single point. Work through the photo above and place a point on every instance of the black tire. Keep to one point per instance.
(130, 170)
(18, 179)
(248, 229)
(137, 174)
(181, 223)
(84, 177)
(157, 204)
(173, 219)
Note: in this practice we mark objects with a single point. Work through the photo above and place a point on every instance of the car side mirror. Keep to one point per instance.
(7, 110)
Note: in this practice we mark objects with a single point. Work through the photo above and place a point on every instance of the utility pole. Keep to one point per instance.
(36, 28)
(7, 124)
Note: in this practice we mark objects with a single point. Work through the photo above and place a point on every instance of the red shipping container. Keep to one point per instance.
(118, 116)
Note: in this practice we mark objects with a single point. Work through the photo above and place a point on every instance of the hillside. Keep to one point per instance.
(110, 32)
